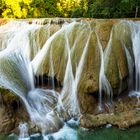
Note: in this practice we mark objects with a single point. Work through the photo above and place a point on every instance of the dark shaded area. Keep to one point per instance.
(47, 82)
(15, 104)
(113, 8)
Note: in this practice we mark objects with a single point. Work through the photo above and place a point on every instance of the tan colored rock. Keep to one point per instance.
(115, 36)
(12, 112)
(122, 120)
(125, 113)
(115, 54)
(103, 28)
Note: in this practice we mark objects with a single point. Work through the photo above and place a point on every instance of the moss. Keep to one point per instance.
(116, 60)
(103, 28)
(7, 96)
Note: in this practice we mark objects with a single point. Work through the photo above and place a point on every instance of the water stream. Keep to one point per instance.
(29, 50)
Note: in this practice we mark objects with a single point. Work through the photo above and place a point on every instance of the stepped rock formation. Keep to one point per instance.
(54, 46)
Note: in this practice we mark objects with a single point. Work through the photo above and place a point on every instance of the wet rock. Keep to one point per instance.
(115, 56)
(114, 36)
(103, 28)
(124, 115)
(51, 61)
(11, 115)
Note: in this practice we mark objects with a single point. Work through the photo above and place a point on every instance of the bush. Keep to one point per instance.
(69, 8)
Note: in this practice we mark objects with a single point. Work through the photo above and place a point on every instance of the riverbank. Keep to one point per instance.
(67, 133)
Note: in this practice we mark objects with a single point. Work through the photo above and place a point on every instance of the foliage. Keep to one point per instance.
(112, 8)
(28, 8)
(72, 8)
(16, 8)
(69, 8)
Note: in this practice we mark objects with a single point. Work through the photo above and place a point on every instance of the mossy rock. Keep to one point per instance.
(7, 96)
(115, 54)
(72, 40)
(103, 28)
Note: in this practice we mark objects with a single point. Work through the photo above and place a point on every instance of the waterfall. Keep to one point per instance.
(135, 29)
(70, 87)
(15, 67)
(136, 50)
(29, 52)
(70, 84)
(24, 58)
(23, 128)
(16, 74)
(104, 85)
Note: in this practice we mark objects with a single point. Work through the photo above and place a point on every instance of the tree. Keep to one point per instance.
(69, 8)
(29, 8)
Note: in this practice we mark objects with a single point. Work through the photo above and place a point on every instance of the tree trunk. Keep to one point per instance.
(136, 13)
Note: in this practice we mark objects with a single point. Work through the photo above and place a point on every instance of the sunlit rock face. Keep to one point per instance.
(29, 37)
(88, 63)
(115, 38)
(12, 112)
(119, 46)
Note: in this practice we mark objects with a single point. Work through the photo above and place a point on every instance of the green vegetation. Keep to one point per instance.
(69, 8)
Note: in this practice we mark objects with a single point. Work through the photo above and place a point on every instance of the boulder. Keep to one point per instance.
(12, 112)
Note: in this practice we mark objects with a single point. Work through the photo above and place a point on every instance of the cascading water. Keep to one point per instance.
(23, 128)
(136, 51)
(16, 75)
(30, 50)
(70, 83)
(104, 85)
(131, 34)
(69, 92)
(135, 40)
(40, 103)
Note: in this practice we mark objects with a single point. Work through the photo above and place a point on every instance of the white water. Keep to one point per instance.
(23, 129)
(16, 74)
(135, 29)
(70, 84)
(24, 56)
(104, 85)
(136, 50)
(28, 37)
(130, 67)
(14, 67)
(70, 87)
